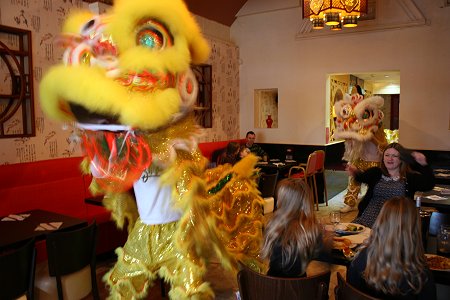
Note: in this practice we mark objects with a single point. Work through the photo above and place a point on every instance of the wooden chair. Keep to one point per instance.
(70, 252)
(17, 272)
(307, 172)
(256, 286)
(320, 170)
(436, 220)
(267, 185)
(344, 291)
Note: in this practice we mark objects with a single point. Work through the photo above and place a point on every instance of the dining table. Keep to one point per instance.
(438, 198)
(283, 167)
(337, 257)
(18, 227)
(442, 175)
(275, 165)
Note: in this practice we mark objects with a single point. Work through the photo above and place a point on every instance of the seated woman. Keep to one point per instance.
(230, 156)
(391, 264)
(293, 235)
(243, 152)
(402, 173)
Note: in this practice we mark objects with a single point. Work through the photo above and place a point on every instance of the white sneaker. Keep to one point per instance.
(347, 209)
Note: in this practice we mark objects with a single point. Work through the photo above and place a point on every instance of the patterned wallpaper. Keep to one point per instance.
(55, 140)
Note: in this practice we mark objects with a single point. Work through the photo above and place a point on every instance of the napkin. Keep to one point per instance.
(48, 226)
(12, 217)
(436, 197)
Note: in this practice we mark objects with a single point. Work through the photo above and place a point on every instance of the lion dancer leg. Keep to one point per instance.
(149, 252)
(354, 187)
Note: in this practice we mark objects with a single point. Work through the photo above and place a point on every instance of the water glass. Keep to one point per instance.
(335, 218)
(443, 240)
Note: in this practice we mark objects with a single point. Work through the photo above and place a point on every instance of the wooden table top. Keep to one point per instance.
(13, 230)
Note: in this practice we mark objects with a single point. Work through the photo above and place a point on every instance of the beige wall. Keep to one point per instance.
(273, 56)
(55, 140)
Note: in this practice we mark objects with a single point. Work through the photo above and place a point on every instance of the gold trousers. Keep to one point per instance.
(149, 252)
(354, 187)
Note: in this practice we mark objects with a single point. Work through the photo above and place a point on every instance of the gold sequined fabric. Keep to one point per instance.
(151, 251)
(230, 220)
(354, 187)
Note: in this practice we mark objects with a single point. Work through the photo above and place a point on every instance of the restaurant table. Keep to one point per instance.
(15, 232)
(276, 165)
(442, 176)
(336, 257)
(283, 168)
(441, 277)
(442, 205)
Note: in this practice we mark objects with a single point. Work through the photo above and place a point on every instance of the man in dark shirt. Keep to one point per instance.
(256, 149)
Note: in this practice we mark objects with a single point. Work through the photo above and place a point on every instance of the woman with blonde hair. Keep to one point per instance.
(392, 264)
(293, 236)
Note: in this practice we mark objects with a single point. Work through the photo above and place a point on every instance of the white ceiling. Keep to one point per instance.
(383, 82)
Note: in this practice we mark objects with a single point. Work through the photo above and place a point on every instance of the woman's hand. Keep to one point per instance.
(351, 169)
(420, 158)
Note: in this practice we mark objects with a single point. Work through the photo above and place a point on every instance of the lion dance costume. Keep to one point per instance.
(359, 122)
(126, 81)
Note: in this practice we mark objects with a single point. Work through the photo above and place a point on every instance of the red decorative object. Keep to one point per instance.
(269, 121)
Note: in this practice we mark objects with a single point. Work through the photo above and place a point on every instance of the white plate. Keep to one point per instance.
(441, 257)
(340, 229)
(357, 238)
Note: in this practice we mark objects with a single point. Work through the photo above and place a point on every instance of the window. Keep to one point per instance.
(16, 86)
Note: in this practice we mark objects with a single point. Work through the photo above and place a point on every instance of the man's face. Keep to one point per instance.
(250, 139)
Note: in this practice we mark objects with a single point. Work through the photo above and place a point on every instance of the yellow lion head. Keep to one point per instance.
(130, 67)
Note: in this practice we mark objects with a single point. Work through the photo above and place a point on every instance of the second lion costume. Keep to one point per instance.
(359, 122)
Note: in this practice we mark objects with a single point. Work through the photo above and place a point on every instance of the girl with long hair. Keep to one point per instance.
(293, 236)
(402, 173)
(391, 264)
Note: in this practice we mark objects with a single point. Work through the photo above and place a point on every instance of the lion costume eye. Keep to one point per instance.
(346, 110)
(153, 35)
(89, 28)
(367, 114)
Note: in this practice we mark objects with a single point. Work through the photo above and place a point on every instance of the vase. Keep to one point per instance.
(269, 121)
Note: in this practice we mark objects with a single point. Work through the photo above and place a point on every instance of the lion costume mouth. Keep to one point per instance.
(84, 116)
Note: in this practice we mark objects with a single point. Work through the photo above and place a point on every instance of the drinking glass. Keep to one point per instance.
(443, 240)
(335, 218)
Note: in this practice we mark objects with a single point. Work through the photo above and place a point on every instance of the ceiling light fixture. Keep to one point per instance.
(334, 13)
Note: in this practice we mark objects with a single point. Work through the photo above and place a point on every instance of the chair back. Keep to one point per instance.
(320, 161)
(436, 220)
(17, 272)
(321, 183)
(304, 170)
(71, 251)
(311, 164)
(267, 184)
(344, 291)
(253, 285)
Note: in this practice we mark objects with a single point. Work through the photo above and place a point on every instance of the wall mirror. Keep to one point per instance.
(385, 84)
(16, 86)
(266, 108)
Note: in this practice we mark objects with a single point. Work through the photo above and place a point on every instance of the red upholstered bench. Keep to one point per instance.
(55, 185)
